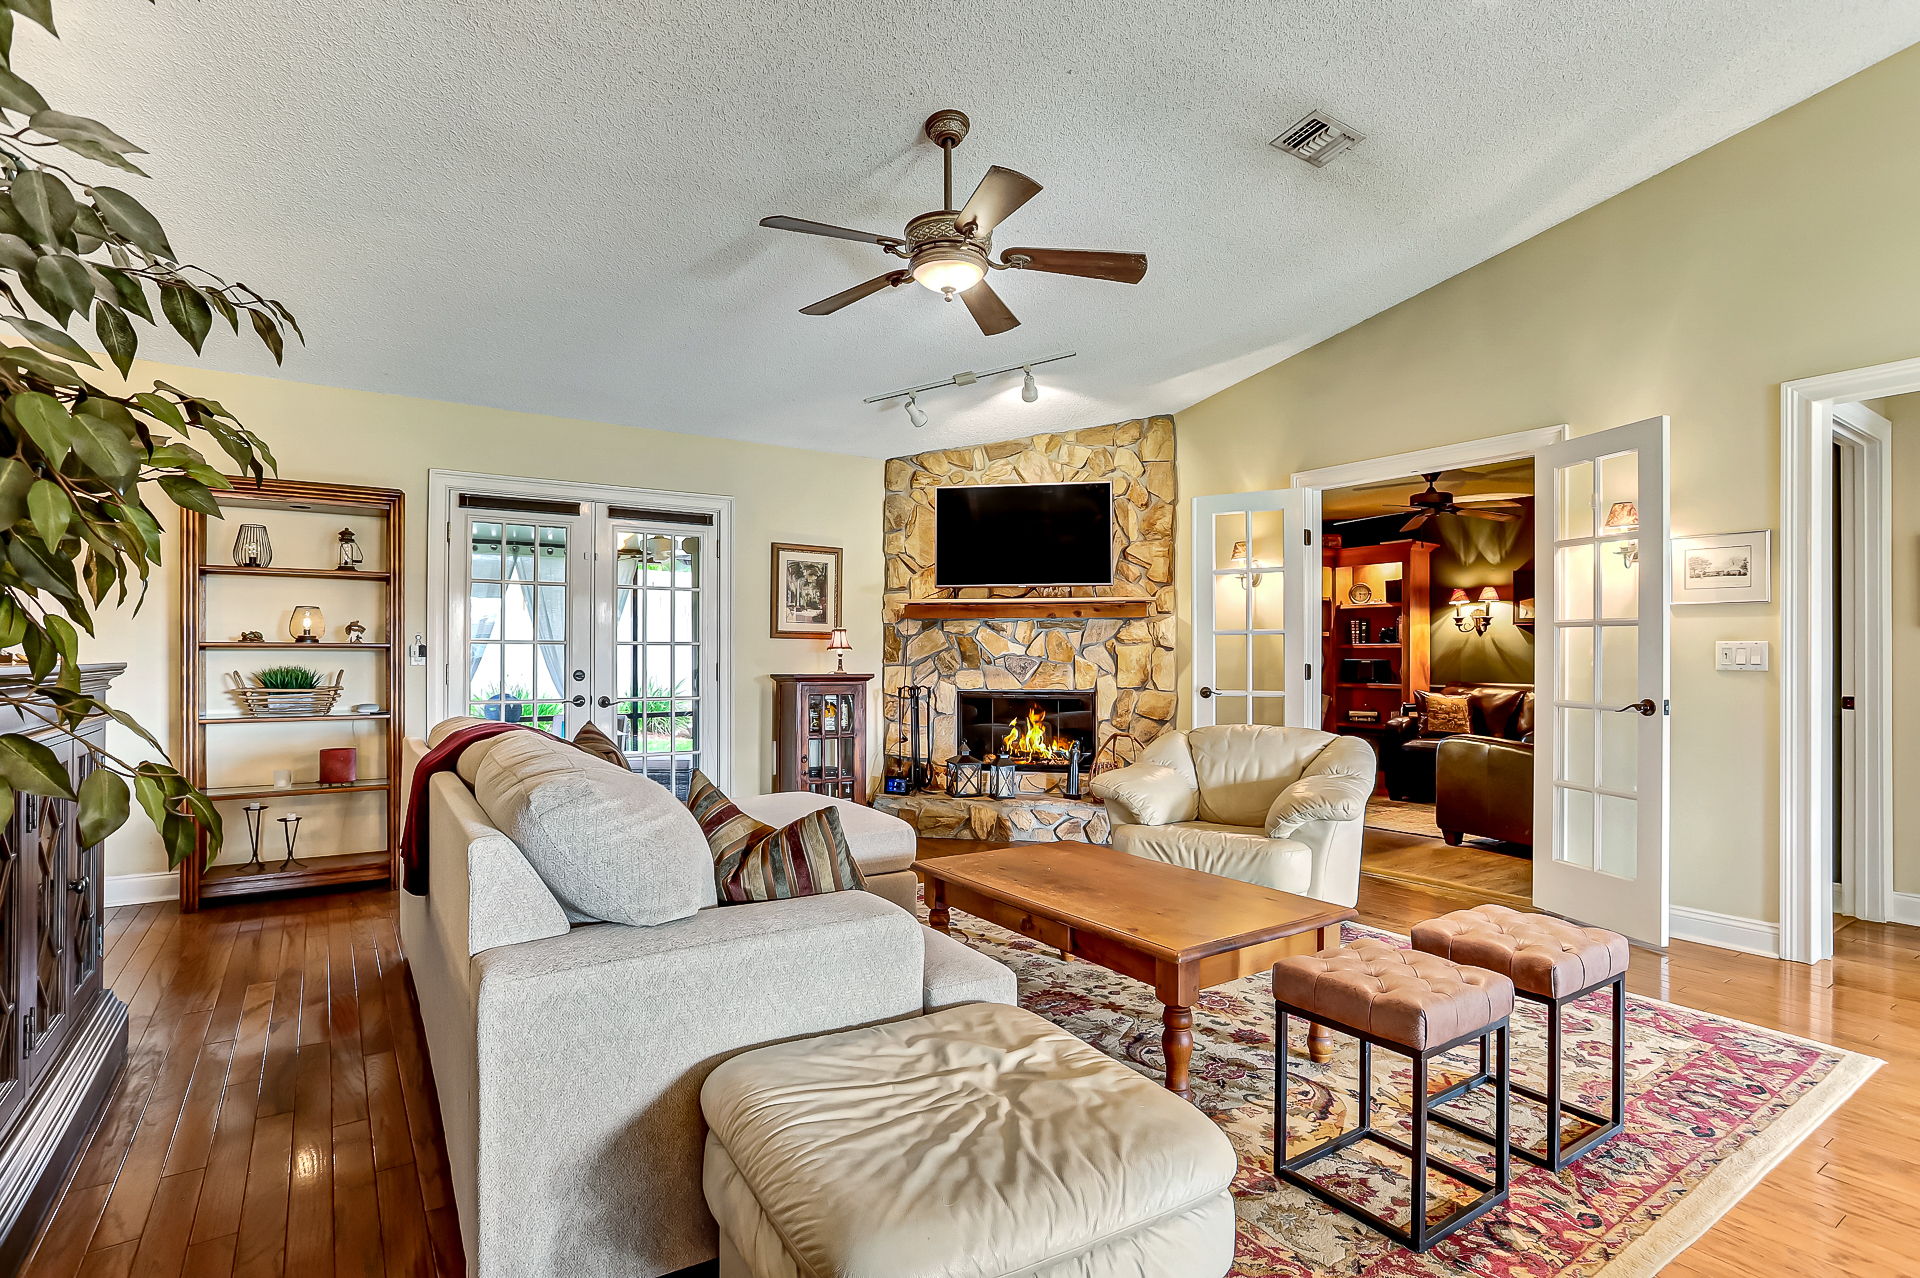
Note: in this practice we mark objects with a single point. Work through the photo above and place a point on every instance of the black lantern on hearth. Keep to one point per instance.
(1003, 778)
(966, 777)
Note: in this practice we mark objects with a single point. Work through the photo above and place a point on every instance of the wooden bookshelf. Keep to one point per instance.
(376, 592)
(1397, 577)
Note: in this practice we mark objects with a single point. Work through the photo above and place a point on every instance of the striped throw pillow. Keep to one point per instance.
(752, 861)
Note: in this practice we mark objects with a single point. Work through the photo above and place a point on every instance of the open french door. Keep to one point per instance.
(1256, 643)
(1601, 671)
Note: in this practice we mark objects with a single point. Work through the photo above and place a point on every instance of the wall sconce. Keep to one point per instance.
(1624, 517)
(1241, 559)
(1477, 622)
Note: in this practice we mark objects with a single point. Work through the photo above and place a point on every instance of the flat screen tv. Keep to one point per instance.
(1024, 535)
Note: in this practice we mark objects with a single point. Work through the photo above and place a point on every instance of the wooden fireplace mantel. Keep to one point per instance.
(974, 609)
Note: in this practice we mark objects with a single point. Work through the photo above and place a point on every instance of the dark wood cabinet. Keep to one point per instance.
(820, 734)
(63, 1035)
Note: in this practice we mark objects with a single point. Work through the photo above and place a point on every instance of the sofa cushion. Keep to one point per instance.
(1230, 851)
(467, 766)
(1521, 726)
(1154, 793)
(974, 1142)
(881, 843)
(598, 744)
(755, 862)
(611, 845)
(1242, 768)
(1442, 714)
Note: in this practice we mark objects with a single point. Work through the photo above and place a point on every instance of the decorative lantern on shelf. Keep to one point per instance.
(351, 556)
(307, 624)
(251, 549)
(966, 777)
(1003, 779)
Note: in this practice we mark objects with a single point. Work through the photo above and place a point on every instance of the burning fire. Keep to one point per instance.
(1028, 741)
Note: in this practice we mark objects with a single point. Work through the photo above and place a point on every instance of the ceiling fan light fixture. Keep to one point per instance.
(948, 270)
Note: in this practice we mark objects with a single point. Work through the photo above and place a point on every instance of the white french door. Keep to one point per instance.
(563, 613)
(1600, 770)
(1255, 642)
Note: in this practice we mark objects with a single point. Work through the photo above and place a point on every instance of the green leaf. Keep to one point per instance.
(65, 641)
(13, 621)
(66, 279)
(188, 312)
(132, 296)
(50, 509)
(104, 155)
(129, 217)
(69, 128)
(16, 254)
(116, 336)
(160, 408)
(46, 421)
(40, 11)
(27, 765)
(16, 477)
(33, 362)
(104, 804)
(191, 494)
(224, 308)
(100, 576)
(49, 339)
(45, 202)
(42, 571)
(128, 722)
(6, 791)
(6, 45)
(268, 332)
(17, 95)
(105, 445)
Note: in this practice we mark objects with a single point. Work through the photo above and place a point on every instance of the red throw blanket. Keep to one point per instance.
(438, 759)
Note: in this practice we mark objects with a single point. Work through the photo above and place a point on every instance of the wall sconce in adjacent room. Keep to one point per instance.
(1624, 517)
(1241, 559)
(1477, 622)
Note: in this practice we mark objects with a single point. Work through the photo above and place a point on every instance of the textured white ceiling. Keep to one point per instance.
(552, 207)
(1498, 481)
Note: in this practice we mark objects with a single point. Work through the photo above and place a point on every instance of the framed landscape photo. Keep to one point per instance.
(806, 591)
(1725, 568)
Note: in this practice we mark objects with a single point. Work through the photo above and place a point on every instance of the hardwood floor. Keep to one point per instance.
(1486, 874)
(277, 1115)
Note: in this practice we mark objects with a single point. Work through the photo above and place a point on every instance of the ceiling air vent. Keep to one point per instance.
(1316, 138)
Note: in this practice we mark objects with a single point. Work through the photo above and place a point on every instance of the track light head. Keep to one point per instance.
(914, 412)
(1028, 391)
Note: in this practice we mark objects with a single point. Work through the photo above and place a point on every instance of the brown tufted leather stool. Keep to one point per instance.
(1552, 962)
(1416, 1004)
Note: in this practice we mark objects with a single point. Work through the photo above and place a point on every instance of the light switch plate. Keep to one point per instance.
(1740, 654)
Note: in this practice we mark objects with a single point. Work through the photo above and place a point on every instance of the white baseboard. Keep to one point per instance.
(1728, 931)
(1904, 907)
(141, 889)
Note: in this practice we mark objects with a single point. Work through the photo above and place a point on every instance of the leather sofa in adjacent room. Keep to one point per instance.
(1498, 713)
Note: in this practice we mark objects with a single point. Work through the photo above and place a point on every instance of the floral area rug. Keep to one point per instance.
(1712, 1105)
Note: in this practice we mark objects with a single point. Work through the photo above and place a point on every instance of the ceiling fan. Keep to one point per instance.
(951, 250)
(1433, 503)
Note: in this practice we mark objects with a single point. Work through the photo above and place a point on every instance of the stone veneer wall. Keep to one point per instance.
(1128, 665)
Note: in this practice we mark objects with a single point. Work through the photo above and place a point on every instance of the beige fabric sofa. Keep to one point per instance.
(1281, 807)
(568, 1058)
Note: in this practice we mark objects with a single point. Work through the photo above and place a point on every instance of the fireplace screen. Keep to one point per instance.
(1036, 730)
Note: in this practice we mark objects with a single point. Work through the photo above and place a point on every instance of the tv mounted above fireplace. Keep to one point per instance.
(1023, 535)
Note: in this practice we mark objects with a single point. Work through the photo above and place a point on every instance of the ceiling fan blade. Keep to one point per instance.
(827, 306)
(988, 311)
(805, 227)
(1000, 192)
(1094, 264)
(1416, 522)
(1499, 516)
(1494, 504)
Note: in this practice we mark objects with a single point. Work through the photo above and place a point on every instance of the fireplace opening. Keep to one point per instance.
(1035, 730)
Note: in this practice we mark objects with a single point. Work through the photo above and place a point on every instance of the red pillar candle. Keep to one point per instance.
(339, 766)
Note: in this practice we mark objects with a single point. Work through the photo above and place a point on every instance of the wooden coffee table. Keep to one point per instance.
(1178, 930)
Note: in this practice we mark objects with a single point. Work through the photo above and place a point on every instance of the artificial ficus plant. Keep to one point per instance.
(76, 460)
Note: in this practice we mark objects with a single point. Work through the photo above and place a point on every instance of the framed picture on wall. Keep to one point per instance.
(1724, 568)
(806, 591)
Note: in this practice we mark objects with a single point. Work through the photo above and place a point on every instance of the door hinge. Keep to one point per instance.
(449, 532)
(1309, 672)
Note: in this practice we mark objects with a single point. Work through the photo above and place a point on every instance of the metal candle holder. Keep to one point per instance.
(290, 830)
(255, 813)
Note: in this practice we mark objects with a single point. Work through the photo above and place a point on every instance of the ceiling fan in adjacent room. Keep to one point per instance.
(951, 250)
(1433, 503)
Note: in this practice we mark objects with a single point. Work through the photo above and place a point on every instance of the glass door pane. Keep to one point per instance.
(1244, 669)
(519, 582)
(660, 646)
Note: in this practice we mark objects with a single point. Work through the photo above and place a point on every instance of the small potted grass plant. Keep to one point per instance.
(288, 690)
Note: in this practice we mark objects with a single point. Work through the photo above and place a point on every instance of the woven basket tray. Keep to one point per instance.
(271, 702)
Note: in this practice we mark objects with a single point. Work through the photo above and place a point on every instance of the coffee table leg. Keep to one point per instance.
(1176, 1044)
(939, 917)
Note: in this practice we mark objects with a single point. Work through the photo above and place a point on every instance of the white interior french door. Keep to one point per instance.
(1255, 642)
(1601, 740)
(563, 613)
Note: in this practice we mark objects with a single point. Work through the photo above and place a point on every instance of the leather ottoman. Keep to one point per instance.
(975, 1142)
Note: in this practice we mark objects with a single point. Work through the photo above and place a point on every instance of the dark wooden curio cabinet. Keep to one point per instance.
(820, 734)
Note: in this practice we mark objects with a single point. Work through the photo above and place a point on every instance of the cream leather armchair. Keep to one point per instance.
(1281, 807)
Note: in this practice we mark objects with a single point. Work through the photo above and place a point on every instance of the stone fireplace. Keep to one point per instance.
(1110, 679)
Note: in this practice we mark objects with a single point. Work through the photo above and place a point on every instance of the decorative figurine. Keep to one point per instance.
(351, 556)
(252, 636)
(356, 632)
(255, 812)
(290, 828)
(251, 549)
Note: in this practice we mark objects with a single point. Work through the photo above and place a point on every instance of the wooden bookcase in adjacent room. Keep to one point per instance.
(350, 833)
(1376, 610)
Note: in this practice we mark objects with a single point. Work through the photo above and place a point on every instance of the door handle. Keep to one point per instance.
(604, 702)
(1206, 692)
(578, 699)
(1643, 706)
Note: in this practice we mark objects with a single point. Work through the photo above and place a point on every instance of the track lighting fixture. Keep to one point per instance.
(1029, 389)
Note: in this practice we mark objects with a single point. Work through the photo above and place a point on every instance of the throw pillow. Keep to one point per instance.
(598, 744)
(755, 862)
(1444, 715)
